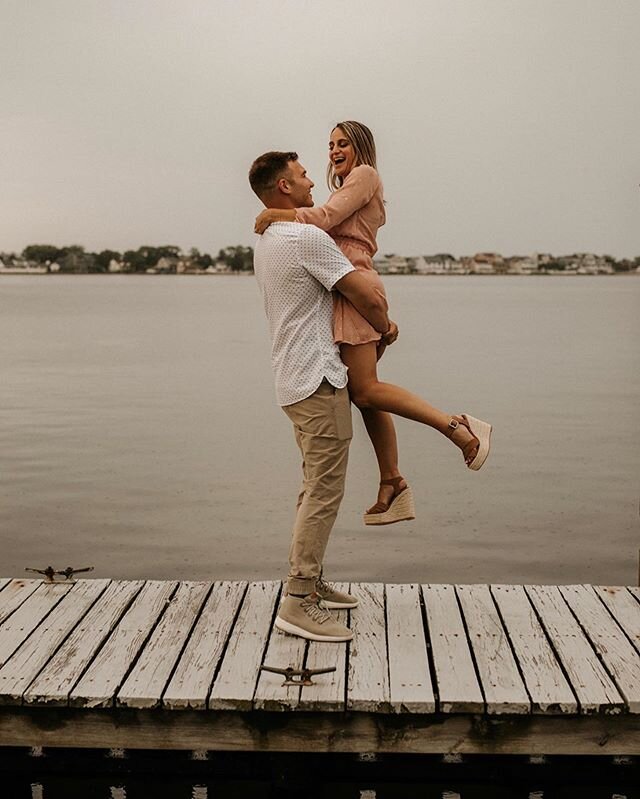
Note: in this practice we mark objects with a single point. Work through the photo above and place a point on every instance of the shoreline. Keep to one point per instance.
(553, 273)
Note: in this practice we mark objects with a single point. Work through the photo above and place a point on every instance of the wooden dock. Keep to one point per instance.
(494, 669)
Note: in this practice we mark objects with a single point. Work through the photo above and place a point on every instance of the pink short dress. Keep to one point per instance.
(352, 216)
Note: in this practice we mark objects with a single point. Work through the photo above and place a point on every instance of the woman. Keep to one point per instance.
(352, 216)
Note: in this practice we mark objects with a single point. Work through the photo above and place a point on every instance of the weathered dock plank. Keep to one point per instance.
(24, 620)
(458, 687)
(501, 682)
(193, 677)
(410, 686)
(235, 684)
(56, 680)
(106, 672)
(13, 595)
(282, 651)
(624, 608)
(328, 690)
(616, 651)
(592, 685)
(368, 677)
(150, 675)
(29, 659)
(547, 686)
(4, 581)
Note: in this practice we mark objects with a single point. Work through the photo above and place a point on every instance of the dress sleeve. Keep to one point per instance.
(357, 190)
(322, 258)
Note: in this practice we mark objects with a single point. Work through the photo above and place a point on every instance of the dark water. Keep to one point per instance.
(178, 776)
(139, 432)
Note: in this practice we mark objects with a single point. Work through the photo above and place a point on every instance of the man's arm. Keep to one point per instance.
(323, 259)
(366, 300)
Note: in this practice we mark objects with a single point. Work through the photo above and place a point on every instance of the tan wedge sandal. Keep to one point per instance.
(401, 508)
(481, 432)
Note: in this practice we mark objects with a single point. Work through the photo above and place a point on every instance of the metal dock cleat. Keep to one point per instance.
(68, 573)
(303, 675)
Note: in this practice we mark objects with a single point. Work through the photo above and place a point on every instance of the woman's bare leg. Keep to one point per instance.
(382, 433)
(367, 392)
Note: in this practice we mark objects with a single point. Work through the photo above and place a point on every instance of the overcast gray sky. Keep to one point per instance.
(506, 125)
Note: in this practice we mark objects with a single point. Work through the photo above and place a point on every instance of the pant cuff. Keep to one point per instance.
(301, 585)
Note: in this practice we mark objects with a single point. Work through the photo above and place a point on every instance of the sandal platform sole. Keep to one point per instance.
(482, 431)
(402, 509)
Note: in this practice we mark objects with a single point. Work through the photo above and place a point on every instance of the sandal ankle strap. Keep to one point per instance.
(454, 424)
(392, 481)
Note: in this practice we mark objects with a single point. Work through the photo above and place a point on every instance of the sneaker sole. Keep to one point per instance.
(287, 627)
(339, 605)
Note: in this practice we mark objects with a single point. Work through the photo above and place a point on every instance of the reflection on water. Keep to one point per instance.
(218, 790)
(94, 774)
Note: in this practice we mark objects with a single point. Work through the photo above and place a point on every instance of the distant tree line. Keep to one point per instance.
(75, 259)
(169, 258)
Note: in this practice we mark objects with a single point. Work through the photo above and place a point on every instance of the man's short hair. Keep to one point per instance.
(267, 169)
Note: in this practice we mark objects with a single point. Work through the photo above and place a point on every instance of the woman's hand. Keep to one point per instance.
(391, 335)
(270, 215)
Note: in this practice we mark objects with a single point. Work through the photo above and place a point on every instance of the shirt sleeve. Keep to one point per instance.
(322, 258)
(356, 191)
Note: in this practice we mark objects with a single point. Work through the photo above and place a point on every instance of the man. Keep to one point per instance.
(297, 266)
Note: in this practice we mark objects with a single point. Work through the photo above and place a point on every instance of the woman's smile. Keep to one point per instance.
(341, 153)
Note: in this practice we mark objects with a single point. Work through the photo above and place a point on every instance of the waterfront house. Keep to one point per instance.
(440, 264)
(19, 266)
(522, 265)
(169, 264)
(485, 263)
(393, 265)
(589, 264)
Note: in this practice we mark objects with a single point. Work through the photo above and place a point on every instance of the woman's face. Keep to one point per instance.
(341, 153)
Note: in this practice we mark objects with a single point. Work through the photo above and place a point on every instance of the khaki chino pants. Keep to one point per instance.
(322, 427)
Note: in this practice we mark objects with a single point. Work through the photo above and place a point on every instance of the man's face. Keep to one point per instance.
(299, 185)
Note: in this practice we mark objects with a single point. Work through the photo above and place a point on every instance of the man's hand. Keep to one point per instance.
(369, 302)
(391, 335)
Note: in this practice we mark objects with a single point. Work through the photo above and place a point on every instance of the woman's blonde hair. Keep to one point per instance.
(364, 147)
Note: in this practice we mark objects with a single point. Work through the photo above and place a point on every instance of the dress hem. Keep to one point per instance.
(357, 343)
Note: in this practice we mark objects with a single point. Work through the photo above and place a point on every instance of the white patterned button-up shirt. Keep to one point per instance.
(296, 267)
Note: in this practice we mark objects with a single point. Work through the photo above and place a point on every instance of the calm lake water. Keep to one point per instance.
(139, 432)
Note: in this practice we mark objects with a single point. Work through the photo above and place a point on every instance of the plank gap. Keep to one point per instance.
(121, 615)
(70, 632)
(186, 640)
(470, 647)
(512, 647)
(143, 644)
(223, 651)
(628, 636)
(585, 633)
(430, 659)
